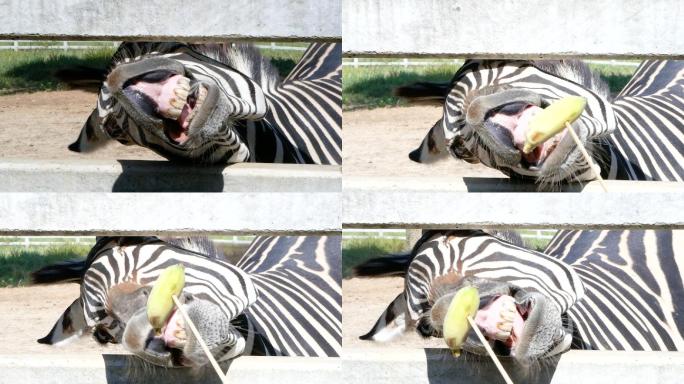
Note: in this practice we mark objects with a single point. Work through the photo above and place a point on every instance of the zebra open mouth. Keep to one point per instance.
(509, 123)
(173, 98)
(503, 322)
(173, 333)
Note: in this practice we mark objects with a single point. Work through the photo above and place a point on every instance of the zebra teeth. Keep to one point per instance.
(182, 91)
(505, 326)
(201, 95)
(502, 335)
(172, 113)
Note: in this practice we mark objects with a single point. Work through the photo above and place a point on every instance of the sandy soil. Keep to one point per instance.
(377, 143)
(363, 301)
(27, 314)
(41, 125)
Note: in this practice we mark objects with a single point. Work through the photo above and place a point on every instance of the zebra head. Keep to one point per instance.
(116, 280)
(523, 295)
(178, 102)
(488, 105)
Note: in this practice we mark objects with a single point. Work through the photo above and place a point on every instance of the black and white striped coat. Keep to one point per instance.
(617, 290)
(283, 297)
(249, 114)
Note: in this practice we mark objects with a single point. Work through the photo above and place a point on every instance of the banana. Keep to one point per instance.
(551, 120)
(160, 304)
(465, 304)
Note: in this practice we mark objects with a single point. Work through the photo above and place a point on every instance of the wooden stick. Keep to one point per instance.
(489, 350)
(587, 158)
(194, 330)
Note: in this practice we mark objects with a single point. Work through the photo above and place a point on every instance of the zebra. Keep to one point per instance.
(282, 298)
(635, 136)
(599, 289)
(606, 290)
(217, 104)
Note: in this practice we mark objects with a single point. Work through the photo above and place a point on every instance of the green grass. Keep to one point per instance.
(372, 86)
(32, 70)
(356, 251)
(17, 263)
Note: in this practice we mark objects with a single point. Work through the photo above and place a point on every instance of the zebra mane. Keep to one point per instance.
(201, 245)
(577, 71)
(243, 57)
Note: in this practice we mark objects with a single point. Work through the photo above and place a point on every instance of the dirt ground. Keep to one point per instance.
(376, 142)
(41, 125)
(363, 301)
(27, 314)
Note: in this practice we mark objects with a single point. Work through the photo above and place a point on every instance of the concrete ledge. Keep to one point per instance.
(492, 184)
(513, 29)
(410, 207)
(169, 213)
(162, 176)
(361, 365)
(171, 20)
(115, 369)
(436, 366)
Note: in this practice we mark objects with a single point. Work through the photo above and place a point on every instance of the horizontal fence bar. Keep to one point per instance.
(437, 366)
(514, 29)
(494, 184)
(169, 214)
(170, 20)
(365, 207)
(119, 369)
(65, 46)
(163, 176)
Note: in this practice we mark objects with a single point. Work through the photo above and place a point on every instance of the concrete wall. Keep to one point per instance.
(170, 19)
(514, 28)
(168, 213)
(367, 365)
(411, 208)
(88, 175)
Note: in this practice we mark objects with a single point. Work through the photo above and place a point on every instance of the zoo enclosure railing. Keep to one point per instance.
(619, 30)
(57, 209)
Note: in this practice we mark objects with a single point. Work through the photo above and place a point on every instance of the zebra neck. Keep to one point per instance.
(641, 149)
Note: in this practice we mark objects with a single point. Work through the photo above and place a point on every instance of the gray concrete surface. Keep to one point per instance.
(170, 20)
(169, 213)
(378, 366)
(510, 29)
(163, 176)
(411, 207)
(120, 369)
(436, 366)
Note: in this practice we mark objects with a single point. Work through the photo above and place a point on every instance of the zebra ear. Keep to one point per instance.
(68, 327)
(92, 135)
(391, 323)
(433, 147)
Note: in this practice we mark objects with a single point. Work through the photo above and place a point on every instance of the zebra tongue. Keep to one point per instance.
(500, 320)
(174, 333)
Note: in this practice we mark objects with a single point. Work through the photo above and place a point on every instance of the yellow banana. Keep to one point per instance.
(160, 304)
(551, 120)
(465, 304)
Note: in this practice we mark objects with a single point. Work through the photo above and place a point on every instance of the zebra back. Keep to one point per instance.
(300, 295)
(649, 144)
(634, 298)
